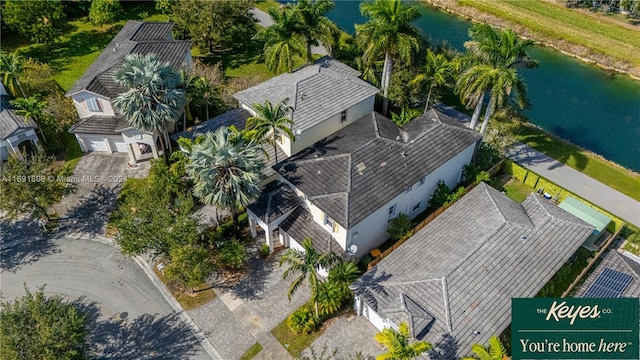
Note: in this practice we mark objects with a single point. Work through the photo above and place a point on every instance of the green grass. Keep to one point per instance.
(72, 53)
(596, 32)
(251, 352)
(517, 191)
(566, 275)
(623, 180)
(265, 5)
(293, 343)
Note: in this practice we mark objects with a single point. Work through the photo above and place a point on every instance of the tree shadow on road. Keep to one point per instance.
(256, 283)
(90, 215)
(145, 337)
(22, 244)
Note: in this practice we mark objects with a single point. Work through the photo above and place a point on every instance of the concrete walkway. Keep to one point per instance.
(578, 183)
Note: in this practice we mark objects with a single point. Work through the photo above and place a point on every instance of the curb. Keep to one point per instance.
(213, 353)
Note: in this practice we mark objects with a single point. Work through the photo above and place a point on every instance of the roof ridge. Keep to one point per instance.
(493, 201)
(375, 125)
(346, 209)
(408, 282)
(330, 157)
(446, 303)
(323, 196)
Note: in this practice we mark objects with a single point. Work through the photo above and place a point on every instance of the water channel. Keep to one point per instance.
(570, 99)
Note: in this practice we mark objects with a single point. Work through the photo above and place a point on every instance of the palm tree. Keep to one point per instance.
(436, 72)
(500, 82)
(397, 344)
(342, 275)
(153, 100)
(388, 32)
(496, 351)
(282, 41)
(314, 25)
(31, 107)
(226, 171)
(11, 67)
(272, 120)
(496, 48)
(306, 264)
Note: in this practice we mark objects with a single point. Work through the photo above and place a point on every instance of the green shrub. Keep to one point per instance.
(233, 254)
(399, 227)
(453, 197)
(265, 250)
(330, 299)
(440, 195)
(302, 321)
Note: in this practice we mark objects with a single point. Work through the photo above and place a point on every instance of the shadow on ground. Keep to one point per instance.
(145, 337)
(90, 215)
(22, 244)
(255, 284)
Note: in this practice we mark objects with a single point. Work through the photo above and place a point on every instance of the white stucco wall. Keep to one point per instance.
(10, 145)
(79, 99)
(372, 231)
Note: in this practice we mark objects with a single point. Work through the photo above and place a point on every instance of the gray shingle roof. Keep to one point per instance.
(466, 265)
(277, 199)
(135, 37)
(358, 169)
(626, 263)
(300, 225)
(316, 92)
(99, 124)
(10, 122)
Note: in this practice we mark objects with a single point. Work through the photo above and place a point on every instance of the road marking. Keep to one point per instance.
(586, 187)
(624, 207)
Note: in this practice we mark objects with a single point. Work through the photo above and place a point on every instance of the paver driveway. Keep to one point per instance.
(131, 319)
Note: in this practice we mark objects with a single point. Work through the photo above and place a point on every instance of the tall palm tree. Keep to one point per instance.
(226, 171)
(388, 32)
(436, 71)
(306, 264)
(314, 25)
(496, 48)
(500, 82)
(31, 107)
(398, 346)
(272, 119)
(153, 100)
(282, 41)
(342, 275)
(11, 67)
(496, 351)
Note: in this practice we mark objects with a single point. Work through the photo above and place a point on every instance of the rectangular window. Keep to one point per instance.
(416, 207)
(330, 223)
(94, 105)
(343, 116)
(421, 182)
(409, 188)
(392, 211)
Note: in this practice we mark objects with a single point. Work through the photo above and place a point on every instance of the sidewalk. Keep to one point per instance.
(578, 183)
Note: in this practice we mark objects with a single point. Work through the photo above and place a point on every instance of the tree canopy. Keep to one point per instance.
(398, 346)
(41, 21)
(35, 326)
(104, 12)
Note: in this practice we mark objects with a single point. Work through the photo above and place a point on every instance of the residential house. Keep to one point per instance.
(453, 281)
(17, 134)
(325, 96)
(350, 184)
(100, 128)
(616, 275)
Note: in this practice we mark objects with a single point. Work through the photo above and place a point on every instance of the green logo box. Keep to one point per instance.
(550, 328)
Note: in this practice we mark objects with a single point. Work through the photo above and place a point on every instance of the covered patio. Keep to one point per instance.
(278, 200)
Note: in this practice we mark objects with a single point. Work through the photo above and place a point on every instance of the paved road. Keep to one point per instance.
(580, 184)
(131, 319)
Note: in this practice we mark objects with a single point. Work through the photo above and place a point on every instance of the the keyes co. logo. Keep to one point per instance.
(560, 310)
(575, 329)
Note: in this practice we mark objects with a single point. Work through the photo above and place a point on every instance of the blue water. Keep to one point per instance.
(569, 98)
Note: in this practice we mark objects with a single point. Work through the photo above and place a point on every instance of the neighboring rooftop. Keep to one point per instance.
(316, 92)
(99, 124)
(358, 169)
(463, 268)
(621, 262)
(10, 122)
(135, 37)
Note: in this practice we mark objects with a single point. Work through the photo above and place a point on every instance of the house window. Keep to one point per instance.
(329, 222)
(409, 188)
(343, 116)
(421, 182)
(94, 105)
(392, 211)
(416, 207)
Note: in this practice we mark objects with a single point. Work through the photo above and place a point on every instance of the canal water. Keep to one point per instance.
(569, 98)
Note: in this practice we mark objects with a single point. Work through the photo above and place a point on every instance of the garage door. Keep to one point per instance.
(94, 143)
(373, 316)
(118, 145)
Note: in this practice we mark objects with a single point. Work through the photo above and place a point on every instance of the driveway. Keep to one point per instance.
(129, 317)
(98, 178)
(348, 335)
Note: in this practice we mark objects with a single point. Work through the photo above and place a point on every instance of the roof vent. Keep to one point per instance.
(476, 332)
(404, 154)
(302, 96)
(398, 138)
(114, 49)
(346, 78)
(523, 237)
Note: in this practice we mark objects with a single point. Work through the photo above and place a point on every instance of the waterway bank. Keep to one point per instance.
(580, 52)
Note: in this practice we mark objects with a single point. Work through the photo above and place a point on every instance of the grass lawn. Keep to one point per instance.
(187, 301)
(265, 5)
(72, 154)
(517, 191)
(566, 275)
(554, 20)
(251, 352)
(582, 160)
(294, 343)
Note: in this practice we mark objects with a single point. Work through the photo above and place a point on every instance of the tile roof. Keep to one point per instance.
(135, 37)
(99, 124)
(277, 200)
(464, 267)
(316, 92)
(624, 262)
(300, 225)
(10, 122)
(363, 166)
